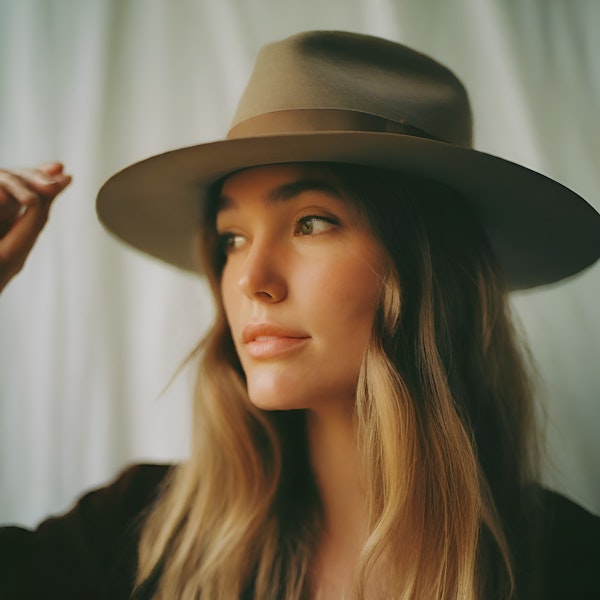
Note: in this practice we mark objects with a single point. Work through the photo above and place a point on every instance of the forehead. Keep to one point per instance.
(278, 183)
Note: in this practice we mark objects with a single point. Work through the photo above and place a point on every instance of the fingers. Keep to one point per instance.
(18, 242)
(22, 188)
(52, 167)
(25, 199)
(28, 186)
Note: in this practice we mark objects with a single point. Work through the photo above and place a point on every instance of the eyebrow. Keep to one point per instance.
(287, 191)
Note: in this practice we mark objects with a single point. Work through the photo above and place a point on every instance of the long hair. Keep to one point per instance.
(444, 421)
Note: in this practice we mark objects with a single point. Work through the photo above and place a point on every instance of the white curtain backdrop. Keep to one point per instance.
(91, 332)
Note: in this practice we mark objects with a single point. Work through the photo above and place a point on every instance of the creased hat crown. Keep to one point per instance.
(351, 76)
(330, 96)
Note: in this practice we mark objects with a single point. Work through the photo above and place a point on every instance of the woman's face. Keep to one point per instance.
(300, 285)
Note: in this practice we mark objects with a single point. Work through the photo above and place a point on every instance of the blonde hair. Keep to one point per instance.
(444, 414)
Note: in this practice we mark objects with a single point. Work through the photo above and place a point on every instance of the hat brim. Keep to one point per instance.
(541, 231)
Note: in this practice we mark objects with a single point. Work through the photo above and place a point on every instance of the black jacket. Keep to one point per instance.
(91, 552)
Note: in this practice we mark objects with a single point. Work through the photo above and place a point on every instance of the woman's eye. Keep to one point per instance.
(314, 224)
(231, 241)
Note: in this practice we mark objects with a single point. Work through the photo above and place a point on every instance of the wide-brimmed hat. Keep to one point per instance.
(344, 97)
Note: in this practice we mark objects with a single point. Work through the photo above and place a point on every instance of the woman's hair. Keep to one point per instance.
(444, 418)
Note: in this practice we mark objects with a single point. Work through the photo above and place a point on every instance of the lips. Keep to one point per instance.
(269, 340)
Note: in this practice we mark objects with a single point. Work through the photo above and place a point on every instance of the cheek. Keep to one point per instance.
(231, 300)
(347, 299)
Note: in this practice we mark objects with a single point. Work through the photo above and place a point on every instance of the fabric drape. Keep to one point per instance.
(91, 333)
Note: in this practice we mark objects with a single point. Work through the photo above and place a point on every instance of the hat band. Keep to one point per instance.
(322, 119)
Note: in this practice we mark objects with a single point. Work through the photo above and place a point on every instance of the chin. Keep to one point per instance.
(275, 389)
(269, 402)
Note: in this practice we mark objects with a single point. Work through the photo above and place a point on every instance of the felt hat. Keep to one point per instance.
(342, 97)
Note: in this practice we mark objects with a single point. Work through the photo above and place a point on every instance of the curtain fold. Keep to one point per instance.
(91, 332)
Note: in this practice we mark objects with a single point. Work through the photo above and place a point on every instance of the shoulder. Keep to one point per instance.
(89, 550)
(114, 510)
(130, 492)
(570, 530)
(566, 518)
(570, 545)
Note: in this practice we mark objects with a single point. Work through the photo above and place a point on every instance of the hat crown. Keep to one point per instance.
(339, 72)
(356, 99)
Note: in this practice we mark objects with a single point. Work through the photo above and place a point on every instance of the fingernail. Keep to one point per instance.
(52, 181)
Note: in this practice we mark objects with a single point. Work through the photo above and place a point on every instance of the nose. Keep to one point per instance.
(262, 277)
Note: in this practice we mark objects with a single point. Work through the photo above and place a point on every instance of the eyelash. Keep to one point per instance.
(313, 218)
(227, 239)
(226, 242)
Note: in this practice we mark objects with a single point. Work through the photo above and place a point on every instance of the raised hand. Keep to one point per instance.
(25, 199)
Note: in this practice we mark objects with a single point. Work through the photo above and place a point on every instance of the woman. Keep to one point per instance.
(363, 421)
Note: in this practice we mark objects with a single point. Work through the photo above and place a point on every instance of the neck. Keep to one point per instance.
(335, 463)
